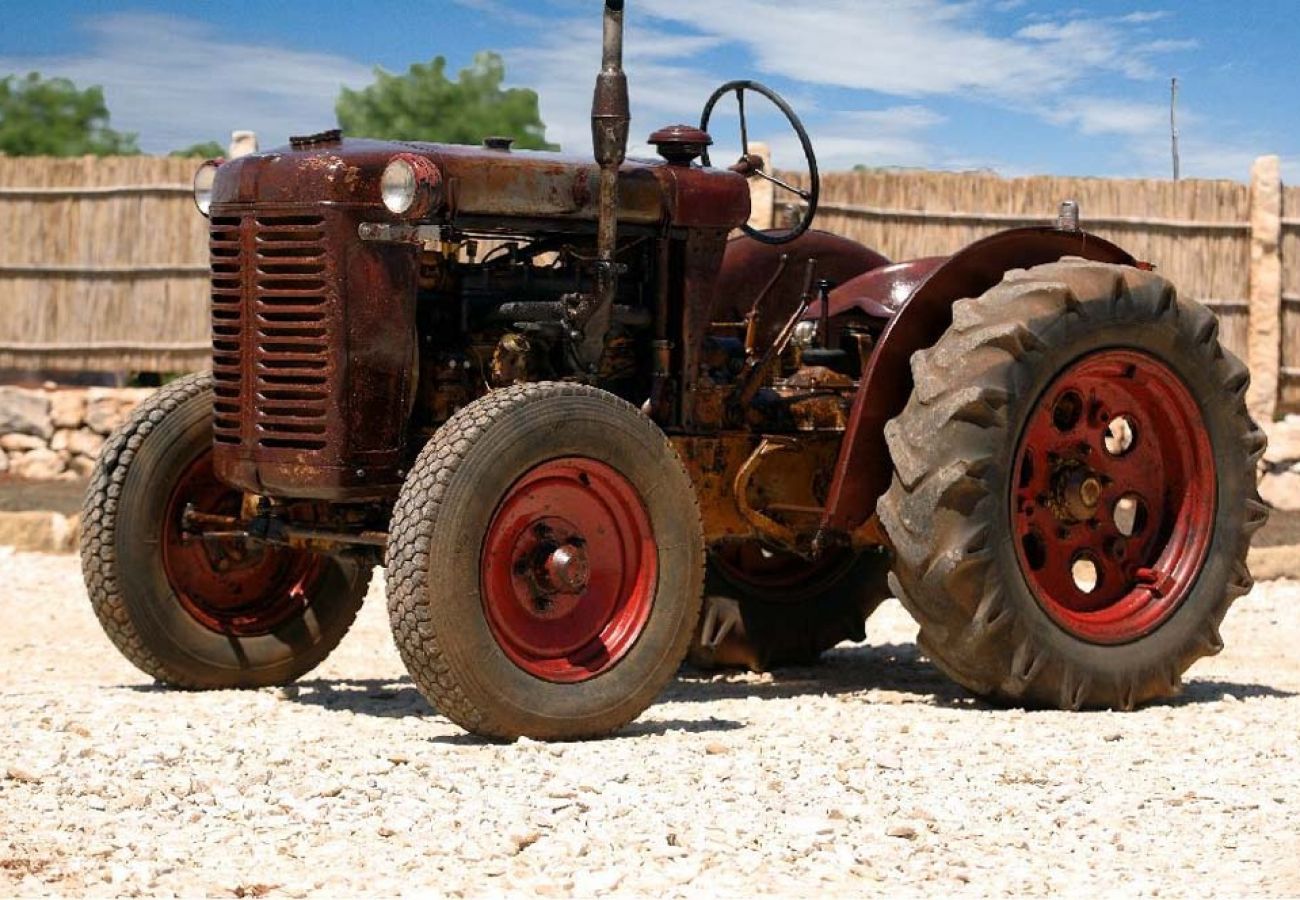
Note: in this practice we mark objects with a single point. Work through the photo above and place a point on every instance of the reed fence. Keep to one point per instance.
(1227, 244)
(103, 265)
(103, 262)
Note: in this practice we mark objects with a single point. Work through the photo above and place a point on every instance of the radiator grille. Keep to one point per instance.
(227, 326)
(292, 332)
(270, 330)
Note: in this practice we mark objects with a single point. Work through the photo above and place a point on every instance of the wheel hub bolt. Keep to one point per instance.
(1090, 492)
(566, 570)
(1079, 494)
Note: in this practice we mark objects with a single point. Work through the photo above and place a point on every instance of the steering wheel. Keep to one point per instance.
(751, 166)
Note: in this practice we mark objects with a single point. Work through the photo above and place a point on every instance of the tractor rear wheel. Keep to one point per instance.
(766, 608)
(545, 564)
(1074, 488)
(190, 612)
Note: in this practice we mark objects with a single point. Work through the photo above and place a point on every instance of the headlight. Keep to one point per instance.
(204, 178)
(410, 186)
(398, 186)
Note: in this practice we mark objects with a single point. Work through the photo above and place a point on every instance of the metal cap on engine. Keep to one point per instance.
(681, 145)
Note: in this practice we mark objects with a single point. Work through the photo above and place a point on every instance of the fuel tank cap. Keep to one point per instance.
(681, 145)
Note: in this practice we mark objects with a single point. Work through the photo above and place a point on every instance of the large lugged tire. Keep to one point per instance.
(545, 564)
(1074, 489)
(186, 614)
(766, 609)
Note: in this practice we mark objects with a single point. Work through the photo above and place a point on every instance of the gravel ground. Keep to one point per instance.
(869, 773)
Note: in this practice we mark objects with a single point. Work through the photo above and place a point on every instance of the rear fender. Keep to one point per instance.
(777, 275)
(864, 468)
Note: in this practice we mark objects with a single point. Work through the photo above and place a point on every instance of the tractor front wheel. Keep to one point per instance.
(1074, 488)
(193, 612)
(545, 562)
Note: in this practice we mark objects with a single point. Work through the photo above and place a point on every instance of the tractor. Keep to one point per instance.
(592, 423)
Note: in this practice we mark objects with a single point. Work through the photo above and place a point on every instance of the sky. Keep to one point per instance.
(1019, 87)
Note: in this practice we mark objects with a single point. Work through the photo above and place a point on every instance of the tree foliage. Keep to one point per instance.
(205, 150)
(425, 105)
(52, 117)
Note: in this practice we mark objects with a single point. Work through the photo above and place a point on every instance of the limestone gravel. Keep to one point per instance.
(869, 773)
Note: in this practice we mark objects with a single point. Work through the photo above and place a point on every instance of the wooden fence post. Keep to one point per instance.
(762, 196)
(1264, 338)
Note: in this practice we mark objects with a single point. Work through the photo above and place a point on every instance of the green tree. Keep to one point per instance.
(205, 150)
(52, 117)
(425, 105)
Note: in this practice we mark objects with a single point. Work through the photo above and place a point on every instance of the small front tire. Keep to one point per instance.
(545, 564)
(188, 614)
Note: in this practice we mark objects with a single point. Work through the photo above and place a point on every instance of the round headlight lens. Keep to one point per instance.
(204, 178)
(399, 186)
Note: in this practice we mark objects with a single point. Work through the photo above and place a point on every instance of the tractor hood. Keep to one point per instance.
(481, 183)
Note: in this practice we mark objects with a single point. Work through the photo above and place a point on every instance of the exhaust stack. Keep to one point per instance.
(610, 120)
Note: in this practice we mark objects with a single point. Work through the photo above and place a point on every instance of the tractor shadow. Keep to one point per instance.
(899, 674)
(892, 674)
(389, 698)
(882, 673)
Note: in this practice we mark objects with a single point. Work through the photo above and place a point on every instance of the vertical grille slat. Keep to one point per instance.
(224, 247)
(272, 330)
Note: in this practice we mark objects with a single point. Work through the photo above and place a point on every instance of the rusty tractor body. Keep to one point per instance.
(562, 400)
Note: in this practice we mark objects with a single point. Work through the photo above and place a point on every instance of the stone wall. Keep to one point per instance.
(58, 432)
(1280, 481)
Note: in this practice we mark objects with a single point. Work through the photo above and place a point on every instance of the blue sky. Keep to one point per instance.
(1017, 86)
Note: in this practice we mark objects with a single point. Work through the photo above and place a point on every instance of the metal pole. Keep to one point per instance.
(1173, 122)
(610, 120)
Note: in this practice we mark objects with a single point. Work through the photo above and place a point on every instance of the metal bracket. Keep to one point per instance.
(399, 233)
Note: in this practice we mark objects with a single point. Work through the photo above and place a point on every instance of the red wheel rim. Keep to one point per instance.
(1113, 496)
(569, 570)
(231, 586)
(776, 574)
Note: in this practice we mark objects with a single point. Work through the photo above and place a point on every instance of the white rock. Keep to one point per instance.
(36, 465)
(1281, 490)
(103, 410)
(601, 881)
(22, 772)
(25, 412)
(85, 442)
(67, 408)
(22, 443)
(1283, 441)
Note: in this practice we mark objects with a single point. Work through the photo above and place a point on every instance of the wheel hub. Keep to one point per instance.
(224, 583)
(568, 569)
(1113, 496)
(564, 570)
(1077, 493)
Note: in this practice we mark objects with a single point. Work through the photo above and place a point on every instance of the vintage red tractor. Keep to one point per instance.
(554, 444)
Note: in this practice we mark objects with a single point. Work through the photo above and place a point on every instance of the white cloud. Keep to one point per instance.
(1097, 115)
(562, 67)
(1144, 17)
(895, 136)
(176, 82)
